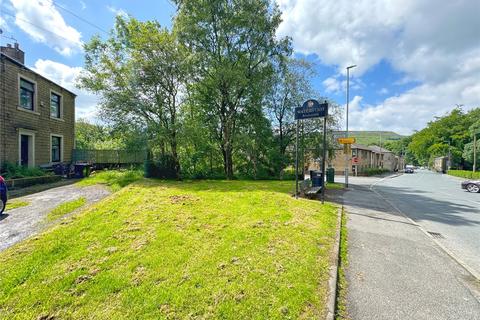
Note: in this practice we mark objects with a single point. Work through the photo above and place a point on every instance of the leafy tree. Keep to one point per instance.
(140, 73)
(445, 136)
(290, 87)
(468, 149)
(233, 43)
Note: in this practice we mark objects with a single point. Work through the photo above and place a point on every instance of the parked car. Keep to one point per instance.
(3, 194)
(471, 186)
(409, 169)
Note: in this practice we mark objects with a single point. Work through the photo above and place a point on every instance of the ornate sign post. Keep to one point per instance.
(312, 109)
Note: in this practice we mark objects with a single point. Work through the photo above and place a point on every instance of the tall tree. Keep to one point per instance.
(290, 87)
(140, 73)
(233, 43)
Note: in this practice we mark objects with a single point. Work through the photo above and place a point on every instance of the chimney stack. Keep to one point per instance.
(13, 52)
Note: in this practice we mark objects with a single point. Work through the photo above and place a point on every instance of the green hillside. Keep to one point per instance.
(374, 137)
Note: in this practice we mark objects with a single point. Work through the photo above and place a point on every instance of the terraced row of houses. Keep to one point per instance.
(37, 116)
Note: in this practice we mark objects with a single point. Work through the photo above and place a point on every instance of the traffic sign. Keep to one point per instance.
(355, 160)
(349, 140)
(311, 109)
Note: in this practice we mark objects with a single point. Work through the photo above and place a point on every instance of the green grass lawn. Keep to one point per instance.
(65, 208)
(114, 179)
(15, 204)
(177, 250)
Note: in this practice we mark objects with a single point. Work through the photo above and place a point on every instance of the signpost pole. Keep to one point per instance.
(323, 157)
(296, 163)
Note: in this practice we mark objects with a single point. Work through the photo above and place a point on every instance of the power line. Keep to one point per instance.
(52, 2)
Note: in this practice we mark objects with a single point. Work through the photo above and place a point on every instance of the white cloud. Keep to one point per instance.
(117, 12)
(3, 24)
(66, 76)
(84, 6)
(331, 85)
(436, 45)
(383, 91)
(43, 23)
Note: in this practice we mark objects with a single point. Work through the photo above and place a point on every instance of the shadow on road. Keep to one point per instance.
(418, 205)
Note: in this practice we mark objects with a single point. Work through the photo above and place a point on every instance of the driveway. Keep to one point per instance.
(20, 223)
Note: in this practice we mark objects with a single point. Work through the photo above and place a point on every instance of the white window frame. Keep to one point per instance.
(30, 133)
(61, 105)
(35, 95)
(61, 147)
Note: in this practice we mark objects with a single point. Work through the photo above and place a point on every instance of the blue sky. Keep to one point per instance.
(416, 59)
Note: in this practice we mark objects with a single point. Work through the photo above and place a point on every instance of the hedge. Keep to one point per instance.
(464, 174)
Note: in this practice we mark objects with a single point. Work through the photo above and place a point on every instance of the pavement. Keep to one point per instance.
(395, 270)
(20, 223)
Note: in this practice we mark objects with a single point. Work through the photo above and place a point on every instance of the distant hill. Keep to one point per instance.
(373, 137)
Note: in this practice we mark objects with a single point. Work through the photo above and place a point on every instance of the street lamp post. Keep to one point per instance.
(348, 99)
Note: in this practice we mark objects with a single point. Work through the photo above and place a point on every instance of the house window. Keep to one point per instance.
(55, 111)
(27, 94)
(56, 148)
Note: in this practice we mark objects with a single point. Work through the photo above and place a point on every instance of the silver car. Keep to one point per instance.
(471, 186)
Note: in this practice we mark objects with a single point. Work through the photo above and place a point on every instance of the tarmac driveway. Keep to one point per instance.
(20, 223)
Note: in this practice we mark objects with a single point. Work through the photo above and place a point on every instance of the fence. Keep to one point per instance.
(109, 156)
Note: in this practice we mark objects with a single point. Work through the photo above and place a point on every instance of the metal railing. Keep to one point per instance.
(109, 156)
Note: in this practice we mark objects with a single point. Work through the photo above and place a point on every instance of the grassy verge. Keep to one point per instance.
(65, 208)
(16, 204)
(114, 179)
(177, 250)
(464, 174)
(335, 185)
(341, 312)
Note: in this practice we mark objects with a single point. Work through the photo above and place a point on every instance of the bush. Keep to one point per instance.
(14, 171)
(464, 174)
(374, 171)
(163, 168)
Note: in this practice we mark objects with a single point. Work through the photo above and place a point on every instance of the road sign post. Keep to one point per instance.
(311, 109)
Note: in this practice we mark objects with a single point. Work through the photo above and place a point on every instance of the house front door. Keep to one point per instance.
(24, 147)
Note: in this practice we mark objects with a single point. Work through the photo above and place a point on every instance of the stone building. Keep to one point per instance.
(362, 158)
(37, 116)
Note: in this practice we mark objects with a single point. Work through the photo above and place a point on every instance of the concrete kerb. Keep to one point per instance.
(333, 272)
(439, 245)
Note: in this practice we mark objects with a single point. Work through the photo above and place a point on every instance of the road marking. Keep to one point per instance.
(445, 249)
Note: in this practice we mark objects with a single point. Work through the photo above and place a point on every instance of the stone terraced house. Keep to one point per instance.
(37, 116)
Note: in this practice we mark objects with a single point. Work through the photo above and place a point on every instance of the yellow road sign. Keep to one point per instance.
(348, 140)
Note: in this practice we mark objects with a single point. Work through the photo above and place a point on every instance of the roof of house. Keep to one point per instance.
(380, 149)
(18, 63)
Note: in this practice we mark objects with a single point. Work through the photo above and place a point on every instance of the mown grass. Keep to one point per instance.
(16, 204)
(335, 186)
(114, 179)
(65, 208)
(464, 174)
(342, 285)
(177, 250)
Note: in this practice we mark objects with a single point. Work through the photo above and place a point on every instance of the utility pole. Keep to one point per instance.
(474, 152)
(348, 99)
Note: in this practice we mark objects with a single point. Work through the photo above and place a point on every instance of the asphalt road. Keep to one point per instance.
(395, 269)
(438, 204)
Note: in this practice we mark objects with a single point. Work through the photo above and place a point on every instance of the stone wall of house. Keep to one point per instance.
(38, 123)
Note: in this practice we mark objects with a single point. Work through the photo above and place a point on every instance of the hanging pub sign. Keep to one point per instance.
(311, 109)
